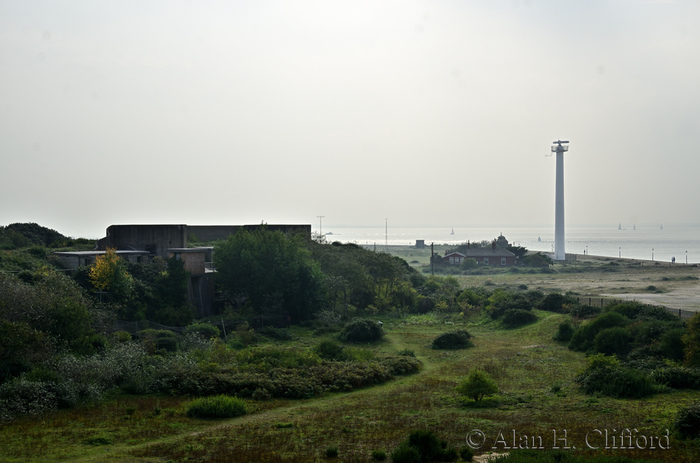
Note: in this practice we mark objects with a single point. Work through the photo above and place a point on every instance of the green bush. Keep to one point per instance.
(331, 350)
(423, 446)
(671, 344)
(220, 406)
(404, 453)
(517, 317)
(378, 455)
(362, 330)
(458, 339)
(613, 341)
(279, 334)
(159, 340)
(687, 422)
(677, 377)
(466, 454)
(565, 332)
(205, 330)
(604, 375)
(332, 452)
(477, 385)
(583, 338)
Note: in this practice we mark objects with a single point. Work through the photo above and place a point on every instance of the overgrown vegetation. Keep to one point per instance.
(60, 349)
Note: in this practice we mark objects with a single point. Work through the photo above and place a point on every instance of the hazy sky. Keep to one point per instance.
(428, 113)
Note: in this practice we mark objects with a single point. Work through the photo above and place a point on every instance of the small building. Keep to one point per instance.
(74, 259)
(494, 255)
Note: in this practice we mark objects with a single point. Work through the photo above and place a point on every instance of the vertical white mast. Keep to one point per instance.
(559, 241)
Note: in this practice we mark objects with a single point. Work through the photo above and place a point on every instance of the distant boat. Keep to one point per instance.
(453, 232)
(634, 227)
(662, 226)
(619, 227)
(329, 233)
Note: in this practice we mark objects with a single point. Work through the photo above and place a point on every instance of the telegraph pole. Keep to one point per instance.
(320, 225)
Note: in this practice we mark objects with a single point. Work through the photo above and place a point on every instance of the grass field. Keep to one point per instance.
(537, 399)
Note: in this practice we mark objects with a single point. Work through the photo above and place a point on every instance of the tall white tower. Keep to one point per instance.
(559, 251)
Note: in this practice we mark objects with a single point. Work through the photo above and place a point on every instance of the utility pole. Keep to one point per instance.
(432, 265)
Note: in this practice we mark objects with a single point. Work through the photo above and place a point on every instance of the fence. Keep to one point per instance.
(603, 301)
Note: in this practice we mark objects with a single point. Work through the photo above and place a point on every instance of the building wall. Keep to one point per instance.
(193, 261)
(153, 238)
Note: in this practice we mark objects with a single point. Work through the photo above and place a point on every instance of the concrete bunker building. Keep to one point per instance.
(144, 242)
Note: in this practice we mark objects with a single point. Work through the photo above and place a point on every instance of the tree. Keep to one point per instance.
(273, 272)
(108, 273)
(477, 385)
(537, 260)
(691, 339)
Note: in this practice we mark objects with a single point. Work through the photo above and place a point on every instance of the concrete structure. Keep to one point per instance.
(157, 239)
(559, 241)
(144, 242)
(200, 287)
(75, 259)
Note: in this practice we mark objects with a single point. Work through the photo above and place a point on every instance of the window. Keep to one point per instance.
(503, 261)
(486, 260)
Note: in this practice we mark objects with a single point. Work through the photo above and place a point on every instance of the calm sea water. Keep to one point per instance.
(640, 243)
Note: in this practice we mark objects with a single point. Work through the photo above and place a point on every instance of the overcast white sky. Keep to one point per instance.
(428, 113)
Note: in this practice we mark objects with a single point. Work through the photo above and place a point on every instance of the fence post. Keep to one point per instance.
(679, 313)
(589, 301)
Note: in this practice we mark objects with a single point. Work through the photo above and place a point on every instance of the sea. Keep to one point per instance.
(652, 242)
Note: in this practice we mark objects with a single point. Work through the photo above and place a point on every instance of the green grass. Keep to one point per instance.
(525, 363)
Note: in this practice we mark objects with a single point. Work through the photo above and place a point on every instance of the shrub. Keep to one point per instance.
(583, 338)
(378, 455)
(687, 422)
(204, 330)
(404, 453)
(331, 452)
(605, 376)
(279, 334)
(677, 377)
(466, 454)
(331, 350)
(458, 339)
(553, 302)
(613, 341)
(565, 332)
(423, 445)
(477, 385)
(671, 344)
(98, 440)
(159, 340)
(362, 330)
(220, 406)
(22, 397)
(518, 317)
